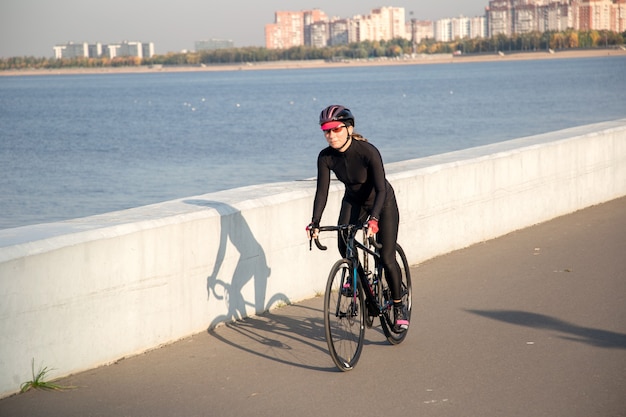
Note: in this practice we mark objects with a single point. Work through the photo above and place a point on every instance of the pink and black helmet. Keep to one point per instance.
(335, 115)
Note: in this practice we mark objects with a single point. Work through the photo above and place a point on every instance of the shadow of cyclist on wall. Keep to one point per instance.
(293, 336)
(252, 264)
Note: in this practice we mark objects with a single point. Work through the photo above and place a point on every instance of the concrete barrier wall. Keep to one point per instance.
(86, 292)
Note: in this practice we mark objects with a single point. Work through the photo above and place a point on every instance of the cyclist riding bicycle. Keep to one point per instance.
(368, 195)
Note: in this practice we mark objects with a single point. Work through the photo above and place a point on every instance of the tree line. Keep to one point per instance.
(533, 41)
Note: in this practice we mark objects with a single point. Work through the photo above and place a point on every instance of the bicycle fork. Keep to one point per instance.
(348, 288)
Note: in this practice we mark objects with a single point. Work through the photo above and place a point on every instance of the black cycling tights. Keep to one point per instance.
(387, 236)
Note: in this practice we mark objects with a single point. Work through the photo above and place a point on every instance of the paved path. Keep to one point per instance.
(530, 324)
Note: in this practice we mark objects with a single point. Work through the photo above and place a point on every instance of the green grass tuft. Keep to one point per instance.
(39, 381)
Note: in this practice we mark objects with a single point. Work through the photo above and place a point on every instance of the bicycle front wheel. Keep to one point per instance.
(344, 315)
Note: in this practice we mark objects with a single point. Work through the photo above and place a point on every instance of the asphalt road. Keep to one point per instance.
(530, 324)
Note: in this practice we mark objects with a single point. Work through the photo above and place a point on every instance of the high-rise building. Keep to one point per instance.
(525, 18)
(391, 22)
(384, 23)
(422, 29)
(502, 17)
(339, 31)
(314, 28)
(450, 29)
(556, 16)
(478, 27)
(71, 50)
(499, 18)
(130, 49)
(95, 49)
(287, 30)
(99, 50)
(294, 29)
(317, 34)
(443, 30)
(147, 49)
(595, 14)
(461, 27)
(522, 16)
(619, 16)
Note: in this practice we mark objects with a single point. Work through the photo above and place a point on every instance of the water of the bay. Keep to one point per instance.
(77, 145)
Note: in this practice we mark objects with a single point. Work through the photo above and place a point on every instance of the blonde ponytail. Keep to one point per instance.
(357, 136)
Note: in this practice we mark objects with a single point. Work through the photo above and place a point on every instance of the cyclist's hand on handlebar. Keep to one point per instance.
(312, 230)
(372, 226)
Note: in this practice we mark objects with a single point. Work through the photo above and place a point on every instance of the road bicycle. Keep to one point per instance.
(356, 293)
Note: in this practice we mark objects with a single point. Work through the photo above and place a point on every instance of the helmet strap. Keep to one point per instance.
(347, 139)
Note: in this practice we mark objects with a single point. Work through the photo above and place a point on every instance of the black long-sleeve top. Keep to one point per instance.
(361, 169)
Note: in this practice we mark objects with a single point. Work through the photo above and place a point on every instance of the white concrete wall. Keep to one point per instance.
(86, 292)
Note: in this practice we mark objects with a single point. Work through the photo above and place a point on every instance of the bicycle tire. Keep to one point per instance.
(344, 316)
(386, 319)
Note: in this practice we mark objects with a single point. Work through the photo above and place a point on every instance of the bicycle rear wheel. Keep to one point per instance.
(386, 319)
(344, 316)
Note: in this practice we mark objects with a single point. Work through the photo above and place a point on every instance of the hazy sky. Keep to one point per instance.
(33, 27)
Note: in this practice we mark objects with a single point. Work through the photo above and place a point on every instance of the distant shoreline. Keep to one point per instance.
(418, 60)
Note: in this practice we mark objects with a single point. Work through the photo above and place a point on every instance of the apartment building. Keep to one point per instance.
(522, 16)
(99, 50)
(443, 30)
(339, 32)
(595, 14)
(500, 17)
(450, 29)
(478, 27)
(385, 23)
(314, 28)
(461, 27)
(506, 17)
(288, 29)
(420, 30)
(556, 16)
(74, 50)
(317, 35)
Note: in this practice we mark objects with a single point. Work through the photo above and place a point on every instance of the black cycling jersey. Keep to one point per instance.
(367, 192)
(361, 169)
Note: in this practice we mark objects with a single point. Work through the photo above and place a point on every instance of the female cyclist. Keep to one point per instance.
(368, 196)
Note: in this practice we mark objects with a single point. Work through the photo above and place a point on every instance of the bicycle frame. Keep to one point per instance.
(353, 245)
